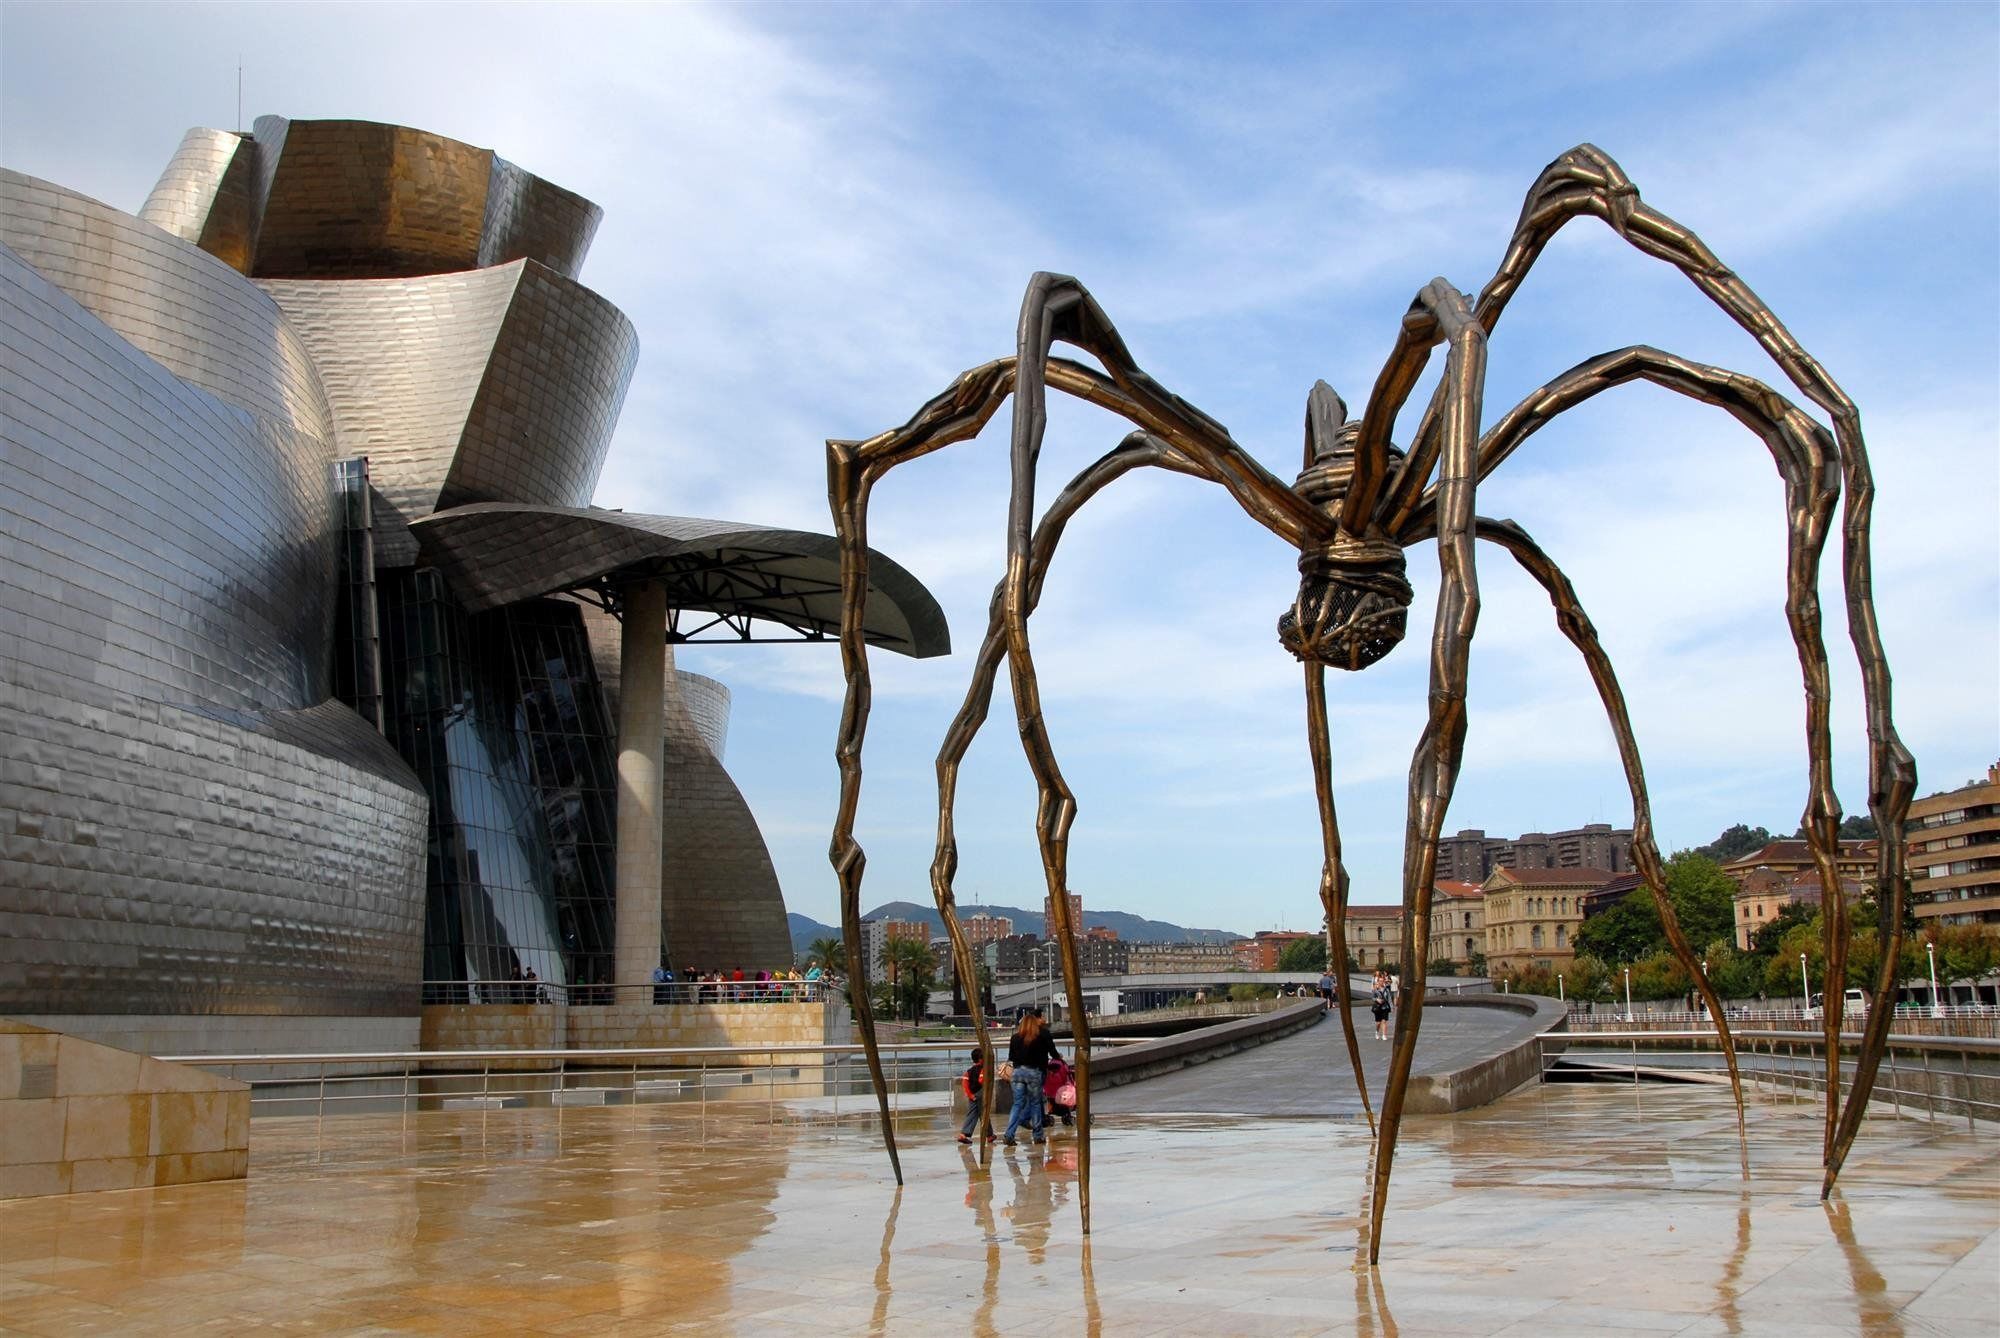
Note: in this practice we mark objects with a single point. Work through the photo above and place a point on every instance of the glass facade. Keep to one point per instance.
(502, 716)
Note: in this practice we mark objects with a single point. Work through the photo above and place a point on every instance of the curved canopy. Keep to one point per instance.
(721, 577)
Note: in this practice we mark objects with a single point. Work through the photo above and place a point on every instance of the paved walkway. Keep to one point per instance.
(1557, 1211)
(1309, 1072)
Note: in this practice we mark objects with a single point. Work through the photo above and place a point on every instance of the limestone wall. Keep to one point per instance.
(76, 1116)
(629, 1026)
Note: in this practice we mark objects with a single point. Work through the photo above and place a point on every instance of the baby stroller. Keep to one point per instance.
(1059, 1091)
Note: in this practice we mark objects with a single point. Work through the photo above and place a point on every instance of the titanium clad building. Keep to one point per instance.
(311, 645)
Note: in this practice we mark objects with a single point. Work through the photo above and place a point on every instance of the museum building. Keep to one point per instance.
(324, 691)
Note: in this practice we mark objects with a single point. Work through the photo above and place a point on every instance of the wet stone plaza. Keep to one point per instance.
(1557, 1211)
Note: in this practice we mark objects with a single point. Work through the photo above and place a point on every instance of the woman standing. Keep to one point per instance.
(1029, 1050)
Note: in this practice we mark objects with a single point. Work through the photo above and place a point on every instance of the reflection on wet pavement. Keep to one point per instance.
(1562, 1210)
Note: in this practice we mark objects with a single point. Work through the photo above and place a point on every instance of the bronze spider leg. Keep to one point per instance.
(1058, 307)
(1582, 634)
(1138, 449)
(1587, 181)
(1333, 872)
(1801, 449)
(1440, 312)
(959, 412)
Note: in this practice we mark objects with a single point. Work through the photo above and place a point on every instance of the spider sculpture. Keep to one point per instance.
(1357, 505)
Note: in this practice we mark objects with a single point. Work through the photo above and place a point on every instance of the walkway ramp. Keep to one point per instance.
(1473, 1049)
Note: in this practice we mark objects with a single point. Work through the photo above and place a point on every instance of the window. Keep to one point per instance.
(1378, 933)
(1562, 936)
(1535, 938)
(1468, 919)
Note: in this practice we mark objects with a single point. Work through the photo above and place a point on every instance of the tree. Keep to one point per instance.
(1738, 840)
(1703, 898)
(1303, 954)
(1624, 933)
(830, 953)
(1765, 940)
(912, 969)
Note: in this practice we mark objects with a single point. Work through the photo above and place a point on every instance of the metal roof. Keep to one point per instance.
(725, 581)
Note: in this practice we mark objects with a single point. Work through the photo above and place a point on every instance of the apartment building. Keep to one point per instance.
(1954, 846)
(1261, 952)
(1151, 959)
(1471, 855)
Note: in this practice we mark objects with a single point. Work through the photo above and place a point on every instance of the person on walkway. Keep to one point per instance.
(1029, 1050)
(973, 1081)
(1326, 989)
(1381, 1000)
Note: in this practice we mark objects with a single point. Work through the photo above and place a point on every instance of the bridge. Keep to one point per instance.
(1118, 993)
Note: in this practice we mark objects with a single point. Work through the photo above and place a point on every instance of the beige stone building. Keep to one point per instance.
(1458, 922)
(1375, 935)
(1532, 915)
(1954, 845)
(1782, 874)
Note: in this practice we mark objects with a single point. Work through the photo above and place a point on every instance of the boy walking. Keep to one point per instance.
(973, 1081)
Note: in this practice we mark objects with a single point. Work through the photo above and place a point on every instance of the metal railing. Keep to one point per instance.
(791, 1083)
(1935, 1076)
(732, 991)
(1965, 1021)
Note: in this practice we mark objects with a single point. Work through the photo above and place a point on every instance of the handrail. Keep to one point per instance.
(691, 993)
(1905, 1041)
(614, 1052)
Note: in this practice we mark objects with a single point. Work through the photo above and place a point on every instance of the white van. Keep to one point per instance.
(1854, 1003)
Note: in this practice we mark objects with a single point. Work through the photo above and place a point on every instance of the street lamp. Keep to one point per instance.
(1560, 996)
(1930, 951)
(1805, 987)
(1628, 994)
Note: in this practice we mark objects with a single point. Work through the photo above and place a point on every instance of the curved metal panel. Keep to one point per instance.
(366, 200)
(720, 903)
(193, 828)
(496, 553)
(542, 422)
(209, 196)
(359, 199)
(165, 543)
(707, 703)
(528, 218)
(170, 300)
(500, 382)
(402, 361)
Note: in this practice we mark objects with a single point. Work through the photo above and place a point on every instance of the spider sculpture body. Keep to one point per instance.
(1358, 504)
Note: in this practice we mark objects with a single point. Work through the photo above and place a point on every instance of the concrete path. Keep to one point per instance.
(1308, 1072)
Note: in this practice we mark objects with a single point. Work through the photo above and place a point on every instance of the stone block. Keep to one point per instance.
(93, 1174)
(189, 1122)
(31, 1131)
(196, 1167)
(99, 1127)
(84, 1068)
(34, 1179)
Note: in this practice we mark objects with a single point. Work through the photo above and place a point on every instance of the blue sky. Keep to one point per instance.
(816, 216)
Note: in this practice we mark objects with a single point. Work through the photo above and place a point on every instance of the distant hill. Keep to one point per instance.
(1131, 928)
